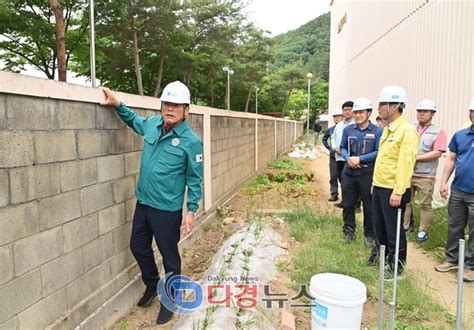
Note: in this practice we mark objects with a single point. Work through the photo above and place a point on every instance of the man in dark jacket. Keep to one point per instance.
(317, 130)
(334, 190)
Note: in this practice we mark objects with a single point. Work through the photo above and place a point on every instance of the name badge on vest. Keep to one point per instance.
(175, 142)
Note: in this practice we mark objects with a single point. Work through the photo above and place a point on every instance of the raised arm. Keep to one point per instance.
(134, 121)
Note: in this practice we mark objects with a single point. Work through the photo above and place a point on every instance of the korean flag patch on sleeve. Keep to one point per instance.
(199, 158)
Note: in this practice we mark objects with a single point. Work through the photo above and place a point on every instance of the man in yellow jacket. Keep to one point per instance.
(392, 175)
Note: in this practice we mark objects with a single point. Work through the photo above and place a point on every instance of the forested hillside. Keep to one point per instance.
(296, 53)
(309, 43)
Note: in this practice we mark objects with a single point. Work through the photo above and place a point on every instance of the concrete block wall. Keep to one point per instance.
(68, 169)
(266, 140)
(233, 153)
(67, 172)
(281, 137)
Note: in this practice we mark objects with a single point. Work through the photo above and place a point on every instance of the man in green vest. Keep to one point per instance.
(432, 145)
(171, 160)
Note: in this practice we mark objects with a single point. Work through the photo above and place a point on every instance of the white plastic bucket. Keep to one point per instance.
(338, 301)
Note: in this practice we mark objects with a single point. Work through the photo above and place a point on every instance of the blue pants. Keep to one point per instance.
(355, 188)
(165, 227)
(385, 223)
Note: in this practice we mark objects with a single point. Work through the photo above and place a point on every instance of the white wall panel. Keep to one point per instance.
(425, 46)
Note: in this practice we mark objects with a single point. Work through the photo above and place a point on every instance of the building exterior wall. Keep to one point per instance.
(68, 168)
(425, 46)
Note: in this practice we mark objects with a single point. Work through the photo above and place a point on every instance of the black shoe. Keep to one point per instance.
(369, 241)
(348, 238)
(333, 198)
(164, 316)
(339, 205)
(373, 260)
(148, 296)
(389, 274)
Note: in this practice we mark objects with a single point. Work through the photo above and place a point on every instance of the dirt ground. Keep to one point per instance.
(197, 258)
(442, 286)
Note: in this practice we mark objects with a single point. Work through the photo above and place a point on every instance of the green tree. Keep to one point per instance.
(214, 27)
(27, 34)
(319, 97)
(253, 53)
(121, 27)
(297, 103)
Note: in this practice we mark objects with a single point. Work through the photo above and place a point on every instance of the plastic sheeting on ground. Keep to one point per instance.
(303, 150)
(246, 258)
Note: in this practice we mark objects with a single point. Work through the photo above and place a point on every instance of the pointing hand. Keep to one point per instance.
(110, 98)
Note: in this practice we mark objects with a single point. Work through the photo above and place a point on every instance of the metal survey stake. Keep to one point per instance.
(460, 285)
(381, 284)
(393, 303)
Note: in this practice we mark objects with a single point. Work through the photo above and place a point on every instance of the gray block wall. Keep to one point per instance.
(67, 176)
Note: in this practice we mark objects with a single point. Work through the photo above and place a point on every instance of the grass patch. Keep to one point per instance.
(438, 231)
(260, 184)
(124, 325)
(321, 251)
(286, 183)
(284, 163)
(212, 226)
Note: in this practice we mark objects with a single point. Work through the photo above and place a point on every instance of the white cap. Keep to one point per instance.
(176, 92)
(427, 104)
(337, 112)
(362, 103)
(471, 107)
(393, 94)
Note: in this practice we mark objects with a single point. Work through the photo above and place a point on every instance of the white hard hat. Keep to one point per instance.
(362, 103)
(471, 106)
(337, 112)
(176, 92)
(393, 94)
(427, 104)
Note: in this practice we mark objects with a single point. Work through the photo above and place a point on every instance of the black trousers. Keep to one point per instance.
(340, 168)
(385, 223)
(165, 226)
(334, 176)
(355, 188)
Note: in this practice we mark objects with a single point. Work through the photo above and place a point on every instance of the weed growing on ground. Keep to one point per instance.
(438, 231)
(220, 212)
(260, 184)
(284, 163)
(212, 226)
(124, 325)
(322, 252)
(286, 183)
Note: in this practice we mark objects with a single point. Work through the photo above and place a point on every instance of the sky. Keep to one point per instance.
(279, 16)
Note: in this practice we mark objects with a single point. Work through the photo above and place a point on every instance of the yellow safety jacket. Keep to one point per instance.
(397, 156)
